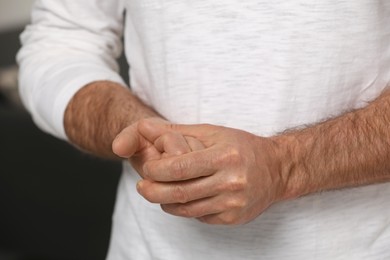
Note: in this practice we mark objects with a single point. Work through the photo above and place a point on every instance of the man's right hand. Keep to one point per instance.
(130, 144)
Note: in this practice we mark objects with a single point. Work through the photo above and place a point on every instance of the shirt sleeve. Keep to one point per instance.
(68, 45)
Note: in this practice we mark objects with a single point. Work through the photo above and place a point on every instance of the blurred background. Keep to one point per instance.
(55, 202)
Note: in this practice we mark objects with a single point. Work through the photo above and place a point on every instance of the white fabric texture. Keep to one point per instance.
(257, 65)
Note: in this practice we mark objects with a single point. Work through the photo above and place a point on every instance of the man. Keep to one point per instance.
(294, 94)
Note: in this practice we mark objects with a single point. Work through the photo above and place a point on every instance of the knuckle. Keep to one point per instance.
(235, 203)
(236, 183)
(179, 194)
(234, 155)
(178, 169)
(230, 156)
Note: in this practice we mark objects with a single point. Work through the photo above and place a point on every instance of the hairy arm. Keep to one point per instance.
(103, 117)
(347, 151)
(239, 175)
(98, 113)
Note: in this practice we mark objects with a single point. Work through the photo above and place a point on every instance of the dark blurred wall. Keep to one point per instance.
(55, 202)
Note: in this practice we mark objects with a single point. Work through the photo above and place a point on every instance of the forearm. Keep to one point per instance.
(348, 151)
(98, 112)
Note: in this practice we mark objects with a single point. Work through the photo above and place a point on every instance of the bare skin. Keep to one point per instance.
(239, 175)
(224, 175)
(101, 110)
(98, 112)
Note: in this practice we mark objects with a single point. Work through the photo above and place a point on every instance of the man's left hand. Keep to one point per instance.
(231, 181)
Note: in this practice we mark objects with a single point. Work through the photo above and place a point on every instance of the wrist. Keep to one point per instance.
(292, 173)
(98, 112)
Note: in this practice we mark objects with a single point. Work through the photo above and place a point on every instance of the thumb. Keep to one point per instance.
(128, 142)
(153, 128)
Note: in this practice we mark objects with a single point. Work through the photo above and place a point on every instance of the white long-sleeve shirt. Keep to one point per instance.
(258, 65)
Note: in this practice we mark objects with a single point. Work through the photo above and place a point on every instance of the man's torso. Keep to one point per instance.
(264, 67)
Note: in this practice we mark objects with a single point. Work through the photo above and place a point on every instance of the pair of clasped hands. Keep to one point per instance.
(215, 174)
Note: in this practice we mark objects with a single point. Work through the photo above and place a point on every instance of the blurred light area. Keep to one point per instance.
(14, 14)
(9, 85)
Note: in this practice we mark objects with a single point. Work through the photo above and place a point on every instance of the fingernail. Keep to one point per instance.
(139, 185)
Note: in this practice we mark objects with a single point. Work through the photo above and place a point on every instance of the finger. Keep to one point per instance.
(184, 167)
(221, 210)
(230, 218)
(194, 144)
(198, 131)
(178, 192)
(196, 209)
(128, 142)
(172, 143)
(152, 129)
(138, 160)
